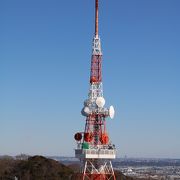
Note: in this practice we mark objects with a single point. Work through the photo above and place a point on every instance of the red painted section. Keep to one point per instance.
(104, 138)
(88, 136)
(96, 69)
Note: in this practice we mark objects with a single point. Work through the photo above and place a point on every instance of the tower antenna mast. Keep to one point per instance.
(96, 17)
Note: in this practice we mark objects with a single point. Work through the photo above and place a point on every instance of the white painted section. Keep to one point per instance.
(95, 153)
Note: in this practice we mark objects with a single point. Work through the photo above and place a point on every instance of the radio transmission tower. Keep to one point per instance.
(94, 148)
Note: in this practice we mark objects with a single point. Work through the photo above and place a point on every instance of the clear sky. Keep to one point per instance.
(45, 53)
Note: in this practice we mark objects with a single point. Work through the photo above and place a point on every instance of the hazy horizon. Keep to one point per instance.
(117, 157)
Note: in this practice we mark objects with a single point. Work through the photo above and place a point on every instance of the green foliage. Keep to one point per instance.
(35, 168)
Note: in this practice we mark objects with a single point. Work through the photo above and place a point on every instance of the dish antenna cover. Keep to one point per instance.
(111, 112)
(85, 111)
(100, 101)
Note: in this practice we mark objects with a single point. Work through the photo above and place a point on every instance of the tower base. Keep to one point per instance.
(96, 169)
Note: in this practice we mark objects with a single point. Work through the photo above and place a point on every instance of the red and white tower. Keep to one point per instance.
(94, 148)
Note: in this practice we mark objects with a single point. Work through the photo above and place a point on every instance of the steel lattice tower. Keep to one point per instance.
(93, 145)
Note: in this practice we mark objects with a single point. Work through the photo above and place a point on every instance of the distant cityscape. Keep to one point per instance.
(165, 169)
(144, 168)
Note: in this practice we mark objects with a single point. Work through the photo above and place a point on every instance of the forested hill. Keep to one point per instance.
(39, 168)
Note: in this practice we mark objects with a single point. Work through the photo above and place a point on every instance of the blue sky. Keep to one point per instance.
(45, 53)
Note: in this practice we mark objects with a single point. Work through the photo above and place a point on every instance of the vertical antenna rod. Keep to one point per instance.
(96, 17)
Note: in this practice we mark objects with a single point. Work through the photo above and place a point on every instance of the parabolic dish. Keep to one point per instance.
(87, 110)
(111, 112)
(83, 113)
(100, 101)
